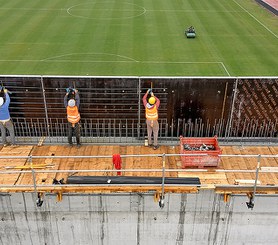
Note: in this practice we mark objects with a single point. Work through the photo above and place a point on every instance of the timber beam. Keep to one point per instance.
(235, 189)
(102, 189)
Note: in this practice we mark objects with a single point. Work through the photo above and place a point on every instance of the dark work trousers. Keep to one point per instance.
(10, 127)
(76, 130)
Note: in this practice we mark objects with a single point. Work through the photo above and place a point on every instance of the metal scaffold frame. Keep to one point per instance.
(39, 189)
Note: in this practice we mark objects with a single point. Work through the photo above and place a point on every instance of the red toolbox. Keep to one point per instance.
(196, 146)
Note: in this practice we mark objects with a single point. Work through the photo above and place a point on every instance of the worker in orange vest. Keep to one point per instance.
(151, 107)
(72, 102)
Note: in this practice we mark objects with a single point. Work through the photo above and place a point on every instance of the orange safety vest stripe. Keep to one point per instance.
(151, 113)
(73, 114)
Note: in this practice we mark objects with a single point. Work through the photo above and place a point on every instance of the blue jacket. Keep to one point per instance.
(4, 109)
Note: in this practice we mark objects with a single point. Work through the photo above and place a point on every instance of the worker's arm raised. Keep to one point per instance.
(145, 98)
(8, 100)
(66, 100)
(157, 101)
(77, 99)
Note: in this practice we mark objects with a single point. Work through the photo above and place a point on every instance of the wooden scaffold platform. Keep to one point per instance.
(235, 174)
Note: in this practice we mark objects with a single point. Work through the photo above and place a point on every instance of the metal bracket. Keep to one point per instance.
(161, 201)
(250, 204)
(39, 201)
(59, 196)
(226, 197)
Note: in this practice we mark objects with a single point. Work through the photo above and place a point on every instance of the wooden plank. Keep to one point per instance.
(246, 163)
(137, 162)
(62, 163)
(11, 179)
(27, 178)
(129, 162)
(151, 162)
(108, 162)
(105, 189)
(77, 163)
(123, 151)
(56, 151)
(46, 178)
(271, 178)
(171, 161)
(269, 169)
(95, 150)
(246, 182)
(209, 176)
(157, 162)
(228, 162)
(207, 186)
(237, 163)
(246, 190)
(265, 178)
(209, 179)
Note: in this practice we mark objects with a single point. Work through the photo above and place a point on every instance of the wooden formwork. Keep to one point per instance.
(211, 178)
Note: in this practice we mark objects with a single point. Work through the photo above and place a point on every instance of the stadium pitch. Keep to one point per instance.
(137, 38)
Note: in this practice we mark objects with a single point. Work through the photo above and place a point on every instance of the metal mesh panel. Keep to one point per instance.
(112, 109)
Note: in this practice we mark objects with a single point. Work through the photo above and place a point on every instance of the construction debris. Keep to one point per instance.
(202, 147)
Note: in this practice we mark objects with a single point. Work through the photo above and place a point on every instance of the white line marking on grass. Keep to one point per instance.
(20, 60)
(52, 59)
(189, 62)
(256, 19)
(109, 54)
(72, 61)
(110, 18)
(154, 10)
(32, 9)
(225, 68)
(88, 61)
(195, 11)
(181, 62)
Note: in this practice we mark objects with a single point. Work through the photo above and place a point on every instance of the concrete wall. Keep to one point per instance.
(128, 219)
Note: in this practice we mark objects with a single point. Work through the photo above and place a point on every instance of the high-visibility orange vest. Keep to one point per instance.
(73, 114)
(151, 113)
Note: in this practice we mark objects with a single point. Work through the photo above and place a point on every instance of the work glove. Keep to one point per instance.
(5, 90)
(67, 90)
(152, 94)
(149, 91)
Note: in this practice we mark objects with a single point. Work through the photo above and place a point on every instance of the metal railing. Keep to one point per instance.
(163, 170)
(132, 131)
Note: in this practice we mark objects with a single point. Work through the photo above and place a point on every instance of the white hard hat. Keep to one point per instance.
(71, 103)
(1, 101)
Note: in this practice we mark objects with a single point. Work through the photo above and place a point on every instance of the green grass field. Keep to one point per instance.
(137, 37)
